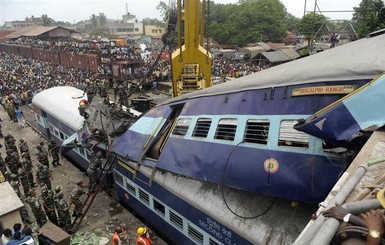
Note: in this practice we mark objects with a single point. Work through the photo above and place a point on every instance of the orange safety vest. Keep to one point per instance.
(115, 239)
(141, 240)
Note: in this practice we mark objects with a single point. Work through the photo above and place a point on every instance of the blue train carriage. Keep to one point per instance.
(56, 112)
(240, 135)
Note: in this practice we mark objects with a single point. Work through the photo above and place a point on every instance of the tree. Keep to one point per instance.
(292, 23)
(248, 21)
(162, 8)
(313, 25)
(46, 21)
(154, 22)
(369, 16)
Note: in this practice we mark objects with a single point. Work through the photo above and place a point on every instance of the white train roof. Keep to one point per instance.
(61, 103)
(359, 60)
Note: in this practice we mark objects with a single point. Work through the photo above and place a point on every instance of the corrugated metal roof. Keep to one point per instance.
(291, 53)
(39, 30)
(276, 56)
(33, 31)
(264, 45)
(252, 51)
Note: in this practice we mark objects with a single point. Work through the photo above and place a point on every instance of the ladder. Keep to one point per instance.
(91, 196)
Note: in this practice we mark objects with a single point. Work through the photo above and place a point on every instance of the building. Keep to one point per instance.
(128, 26)
(18, 24)
(154, 31)
(10, 207)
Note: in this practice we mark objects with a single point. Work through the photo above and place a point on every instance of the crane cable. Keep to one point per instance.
(224, 197)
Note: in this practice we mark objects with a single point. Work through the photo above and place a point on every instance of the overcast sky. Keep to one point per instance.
(76, 10)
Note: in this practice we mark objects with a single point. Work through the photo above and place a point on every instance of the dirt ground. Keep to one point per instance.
(105, 212)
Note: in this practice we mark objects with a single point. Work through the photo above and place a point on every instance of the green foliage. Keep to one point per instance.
(162, 8)
(313, 25)
(47, 21)
(247, 22)
(98, 26)
(292, 23)
(369, 16)
(155, 22)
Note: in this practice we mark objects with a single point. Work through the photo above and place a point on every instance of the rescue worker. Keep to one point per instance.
(64, 213)
(53, 151)
(23, 177)
(42, 155)
(49, 204)
(95, 164)
(11, 161)
(23, 146)
(143, 237)
(76, 193)
(15, 184)
(24, 214)
(43, 175)
(27, 164)
(90, 90)
(39, 214)
(3, 167)
(116, 236)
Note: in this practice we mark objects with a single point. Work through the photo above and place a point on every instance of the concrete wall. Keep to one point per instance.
(10, 219)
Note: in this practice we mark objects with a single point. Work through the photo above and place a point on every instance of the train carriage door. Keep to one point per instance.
(41, 119)
(160, 140)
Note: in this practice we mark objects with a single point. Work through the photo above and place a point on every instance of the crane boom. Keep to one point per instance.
(191, 62)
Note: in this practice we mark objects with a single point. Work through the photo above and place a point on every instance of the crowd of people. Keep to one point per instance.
(18, 235)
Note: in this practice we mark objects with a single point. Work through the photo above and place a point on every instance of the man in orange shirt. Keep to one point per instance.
(116, 238)
(143, 236)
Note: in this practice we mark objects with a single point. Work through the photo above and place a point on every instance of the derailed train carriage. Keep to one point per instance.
(221, 165)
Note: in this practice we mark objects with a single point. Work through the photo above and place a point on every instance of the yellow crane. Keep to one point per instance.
(191, 62)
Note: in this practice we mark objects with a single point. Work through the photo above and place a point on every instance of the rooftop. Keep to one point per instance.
(9, 201)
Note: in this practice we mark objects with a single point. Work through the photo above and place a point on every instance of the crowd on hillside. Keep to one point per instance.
(102, 48)
(110, 52)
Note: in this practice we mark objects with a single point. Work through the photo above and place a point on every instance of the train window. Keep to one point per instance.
(144, 197)
(118, 178)
(81, 151)
(176, 220)
(288, 136)
(56, 132)
(61, 135)
(212, 242)
(50, 128)
(181, 126)
(202, 127)
(159, 208)
(257, 132)
(88, 155)
(226, 129)
(195, 234)
(130, 188)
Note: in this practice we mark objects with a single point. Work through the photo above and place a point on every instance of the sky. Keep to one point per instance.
(76, 10)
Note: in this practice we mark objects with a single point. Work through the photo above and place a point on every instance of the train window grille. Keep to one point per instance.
(195, 234)
(118, 178)
(159, 208)
(257, 132)
(176, 220)
(81, 152)
(182, 126)
(288, 136)
(226, 129)
(38, 118)
(61, 136)
(173, 218)
(212, 242)
(130, 188)
(202, 128)
(56, 132)
(144, 197)
(88, 155)
(51, 128)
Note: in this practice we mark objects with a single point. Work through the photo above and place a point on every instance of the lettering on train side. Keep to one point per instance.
(337, 89)
(216, 230)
